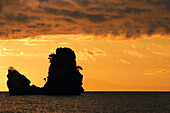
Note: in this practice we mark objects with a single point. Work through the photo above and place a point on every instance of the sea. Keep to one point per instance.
(88, 102)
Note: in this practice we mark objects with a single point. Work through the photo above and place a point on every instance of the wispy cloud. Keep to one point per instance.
(30, 44)
(124, 61)
(157, 71)
(63, 43)
(2, 66)
(14, 52)
(86, 54)
(133, 53)
(161, 53)
(134, 46)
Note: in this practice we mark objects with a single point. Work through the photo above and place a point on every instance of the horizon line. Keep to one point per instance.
(115, 92)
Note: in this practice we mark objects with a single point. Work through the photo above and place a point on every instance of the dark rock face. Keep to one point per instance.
(19, 84)
(63, 77)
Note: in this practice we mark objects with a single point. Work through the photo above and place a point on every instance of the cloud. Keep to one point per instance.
(133, 53)
(166, 54)
(1, 7)
(159, 2)
(129, 19)
(82, 2)
(8, 52)
(86, 54)
(157, 71)
(159, 50)
(133, 46)
(96, 18)
(30, 3)
(30, 44)
(124, 61)
(20, 17)
(63, 43)
(14, 52)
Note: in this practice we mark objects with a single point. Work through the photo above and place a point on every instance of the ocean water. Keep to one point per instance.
(112, 102)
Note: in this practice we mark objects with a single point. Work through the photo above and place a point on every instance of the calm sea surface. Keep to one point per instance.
(87, 102)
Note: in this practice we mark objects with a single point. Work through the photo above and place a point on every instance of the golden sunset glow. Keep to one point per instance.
(119, 46)
(107, 65)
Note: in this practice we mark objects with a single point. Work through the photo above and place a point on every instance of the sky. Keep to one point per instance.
(122, 45)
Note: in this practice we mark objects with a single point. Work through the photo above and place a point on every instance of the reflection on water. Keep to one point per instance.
(88, 102)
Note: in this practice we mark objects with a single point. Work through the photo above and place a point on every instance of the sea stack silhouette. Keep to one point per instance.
(64, 77)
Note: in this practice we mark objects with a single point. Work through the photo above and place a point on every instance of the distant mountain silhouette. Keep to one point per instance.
(63, 78)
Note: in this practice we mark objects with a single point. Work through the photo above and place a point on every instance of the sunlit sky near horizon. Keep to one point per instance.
(121, 45)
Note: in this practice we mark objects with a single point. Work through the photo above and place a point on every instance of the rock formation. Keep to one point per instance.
(63, 77)
(19, 84)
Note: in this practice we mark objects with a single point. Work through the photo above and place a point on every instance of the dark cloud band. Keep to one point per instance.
(131, 18)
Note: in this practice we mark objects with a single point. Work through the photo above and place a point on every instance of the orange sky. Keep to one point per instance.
(107, 65)
(121, 45)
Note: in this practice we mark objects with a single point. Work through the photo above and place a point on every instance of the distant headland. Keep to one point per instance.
(64, 77)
